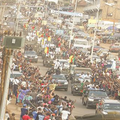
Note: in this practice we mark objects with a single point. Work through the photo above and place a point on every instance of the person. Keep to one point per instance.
(12, 117)
(65, 114)
(52, 86)
(97, 87)
(119, 94)
(23, 111)
(58, 71)
(34, 113)
(47, 116)
(40, 115)
(26, 116)
(15, 83)
(7, 116)
(57, 64)
(27, 99)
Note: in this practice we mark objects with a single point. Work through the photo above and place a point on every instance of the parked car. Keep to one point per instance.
(115, 47)
(91, 97)
(107, 105)
(96, 48)
(102, 52)
(31, 56)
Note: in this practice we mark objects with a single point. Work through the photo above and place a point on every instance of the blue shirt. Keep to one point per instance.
(34, 113)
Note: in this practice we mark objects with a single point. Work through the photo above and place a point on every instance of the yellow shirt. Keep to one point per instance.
(52, 86)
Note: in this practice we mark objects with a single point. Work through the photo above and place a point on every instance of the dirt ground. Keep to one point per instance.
(12, 108)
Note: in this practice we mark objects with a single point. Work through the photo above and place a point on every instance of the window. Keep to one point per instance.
(115, 1)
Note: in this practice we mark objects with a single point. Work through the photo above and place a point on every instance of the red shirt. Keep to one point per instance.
(26, 117)
(47, 117)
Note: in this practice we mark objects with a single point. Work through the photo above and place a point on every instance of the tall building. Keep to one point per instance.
(108, 9)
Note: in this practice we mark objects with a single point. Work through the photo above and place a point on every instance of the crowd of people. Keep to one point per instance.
(36, 93)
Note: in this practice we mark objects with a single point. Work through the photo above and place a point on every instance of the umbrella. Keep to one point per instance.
(111, 28)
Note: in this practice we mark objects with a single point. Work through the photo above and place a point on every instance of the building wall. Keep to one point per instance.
(80, 9)
(107, 10)
(110, 13)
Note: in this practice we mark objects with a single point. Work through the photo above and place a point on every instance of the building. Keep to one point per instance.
(109, 10)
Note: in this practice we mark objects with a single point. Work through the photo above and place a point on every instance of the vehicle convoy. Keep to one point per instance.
(61, 81)
(91, 97)
(81, 77)
(31, 56)
(106, 105)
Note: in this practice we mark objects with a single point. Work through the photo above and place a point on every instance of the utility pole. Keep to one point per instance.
(2, 13)
(18, 10)
(114, 21)
(97, 18)
(6, 75)
(10, 43)
(71, 36)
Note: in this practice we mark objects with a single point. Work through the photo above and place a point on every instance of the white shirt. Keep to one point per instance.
(7, 116)
(57, 64)
(65, 114)
(15, 81)
(24, 84)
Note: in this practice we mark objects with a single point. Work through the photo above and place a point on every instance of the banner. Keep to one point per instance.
(44, 22)
(59, 32)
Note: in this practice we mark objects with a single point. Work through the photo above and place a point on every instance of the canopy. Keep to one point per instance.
(55, 1)
(111, 28)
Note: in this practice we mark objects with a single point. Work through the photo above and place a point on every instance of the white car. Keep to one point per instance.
(81, 43)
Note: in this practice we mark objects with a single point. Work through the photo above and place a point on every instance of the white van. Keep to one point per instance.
(81, 43)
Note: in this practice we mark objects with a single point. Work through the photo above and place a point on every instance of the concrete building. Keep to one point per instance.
(110, 11)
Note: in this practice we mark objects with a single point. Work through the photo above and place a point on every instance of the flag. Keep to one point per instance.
(24, 25)
(37, 33)
(47, 50)
(33, 27)
(71, 59)
(42, 35)
(42, 41)
(49, 38)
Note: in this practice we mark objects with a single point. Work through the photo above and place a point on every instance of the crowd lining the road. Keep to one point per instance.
(36, 93)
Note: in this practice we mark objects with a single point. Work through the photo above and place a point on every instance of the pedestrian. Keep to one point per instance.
(119, 94)
(26, 116)
(24, 110)
(40, 115)
(65, 114)
(12, 116)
